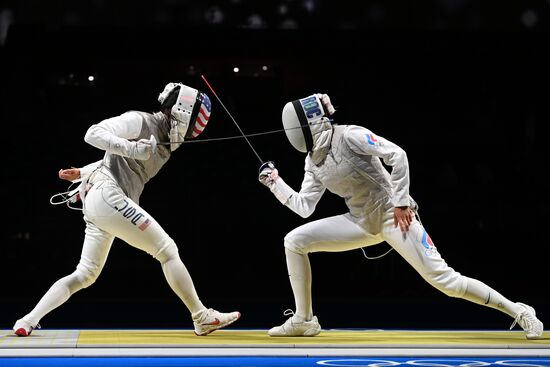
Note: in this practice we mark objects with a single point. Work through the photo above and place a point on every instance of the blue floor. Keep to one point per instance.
(270, 361)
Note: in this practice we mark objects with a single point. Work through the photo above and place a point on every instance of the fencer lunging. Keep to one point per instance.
(347, 160)
(110, 191)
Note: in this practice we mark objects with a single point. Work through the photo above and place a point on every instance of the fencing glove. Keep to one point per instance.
(268, 173)
(140, 150)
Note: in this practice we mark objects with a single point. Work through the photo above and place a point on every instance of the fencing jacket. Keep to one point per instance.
(130, 174)
(353, 170)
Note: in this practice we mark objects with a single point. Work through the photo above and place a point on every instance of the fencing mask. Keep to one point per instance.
(307, 126)
(189, 112)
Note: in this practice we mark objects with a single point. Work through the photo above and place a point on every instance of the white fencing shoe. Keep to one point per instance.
(527, 319)
(292, 328)
(24, 328)
(209, 320)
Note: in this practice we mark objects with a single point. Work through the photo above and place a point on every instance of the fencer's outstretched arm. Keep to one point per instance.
(114, 136)
(302, 203)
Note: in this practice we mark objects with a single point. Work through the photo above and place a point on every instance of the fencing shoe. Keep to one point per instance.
(209, 320)
(292, 328)
(24, 328)
(527, 319)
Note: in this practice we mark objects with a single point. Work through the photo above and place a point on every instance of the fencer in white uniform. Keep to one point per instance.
(347, 161)
(110, 190)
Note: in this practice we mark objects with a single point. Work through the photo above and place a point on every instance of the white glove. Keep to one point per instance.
(143, 148)
(325, 100)
(268, 173)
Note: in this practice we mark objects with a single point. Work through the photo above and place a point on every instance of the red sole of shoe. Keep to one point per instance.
(21, 332)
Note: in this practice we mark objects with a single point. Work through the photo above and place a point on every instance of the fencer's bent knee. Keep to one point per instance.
(296, 243)
(168, 250)
(87, 273)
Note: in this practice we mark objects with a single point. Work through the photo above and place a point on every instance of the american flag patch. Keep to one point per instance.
(143, 226)
(202, 118)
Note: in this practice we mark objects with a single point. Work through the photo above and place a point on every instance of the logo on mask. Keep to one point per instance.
(312, 108)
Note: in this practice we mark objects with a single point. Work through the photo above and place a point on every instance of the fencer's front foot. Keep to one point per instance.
(527, 319)
(293, 328)
(24, 328)
(209, 320)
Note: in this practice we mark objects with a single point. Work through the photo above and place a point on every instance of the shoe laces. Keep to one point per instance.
(523, 320)
(288, 312)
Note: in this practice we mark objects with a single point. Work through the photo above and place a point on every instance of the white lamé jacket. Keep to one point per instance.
(117, 164)
(353, 170)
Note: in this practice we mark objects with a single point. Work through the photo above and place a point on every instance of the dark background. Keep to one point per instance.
(461, 86)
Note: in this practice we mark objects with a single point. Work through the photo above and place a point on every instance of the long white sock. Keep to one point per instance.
(181, 283)
(482, 294)
(58, 294)
(299, 271)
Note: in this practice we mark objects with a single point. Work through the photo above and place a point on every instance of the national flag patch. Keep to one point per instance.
(426, 240)
(143, 226)
(371, 139)
(203, 116)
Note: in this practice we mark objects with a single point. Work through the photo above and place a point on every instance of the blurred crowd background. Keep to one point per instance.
(430, 15)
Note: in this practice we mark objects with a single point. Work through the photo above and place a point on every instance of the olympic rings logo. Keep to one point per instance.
(434, 363)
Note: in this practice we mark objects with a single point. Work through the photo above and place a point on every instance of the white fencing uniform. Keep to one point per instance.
(110, 190)
(352, 169)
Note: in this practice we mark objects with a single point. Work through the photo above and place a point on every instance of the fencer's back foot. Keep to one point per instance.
(24, 328)
(22, 332)
(209, 320)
